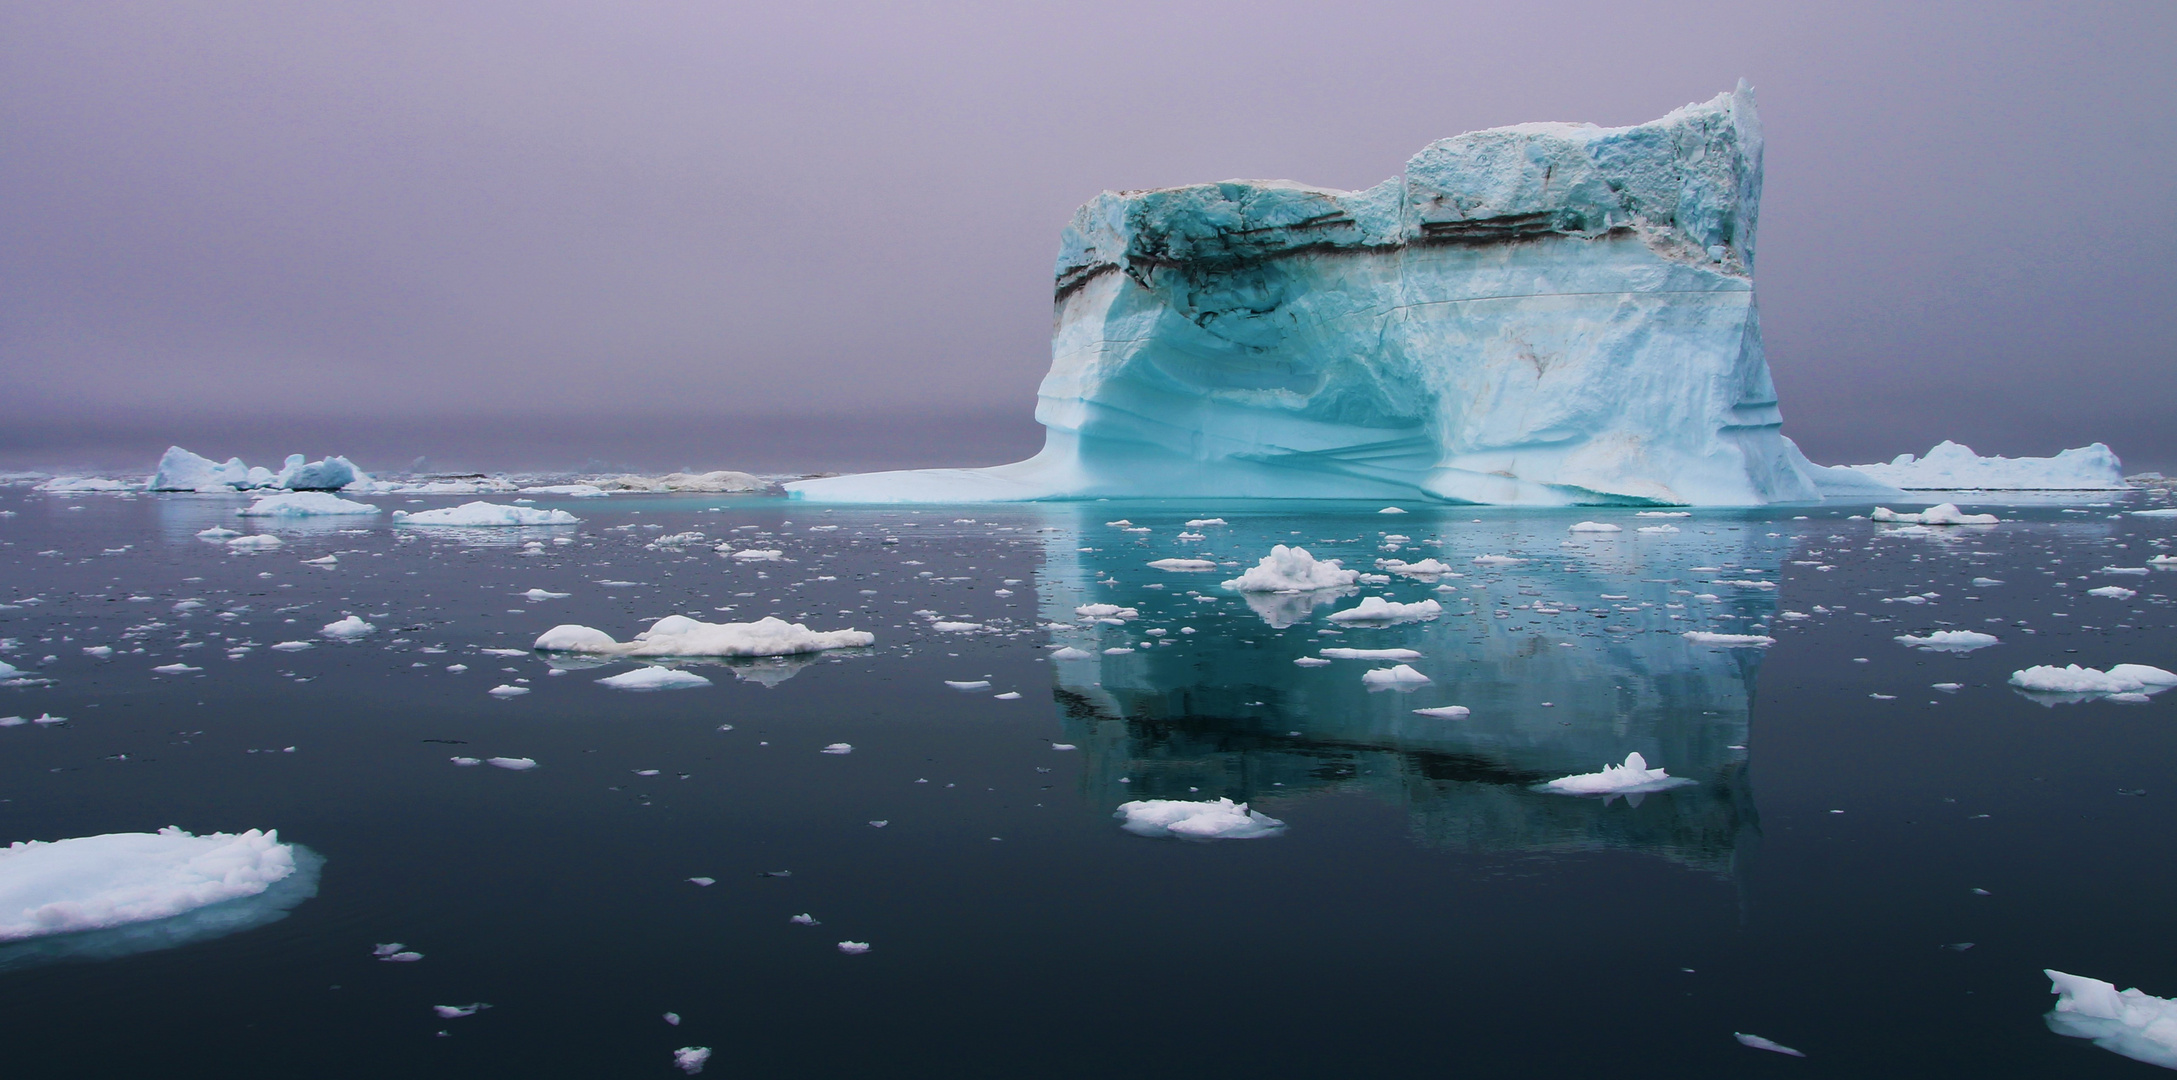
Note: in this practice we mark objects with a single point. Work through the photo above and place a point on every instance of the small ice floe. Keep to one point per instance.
(2164, 512)
(1446, 712)
(756, 555)
(2140, 571)
(1184, 566)
(2122, 679)
(261, 540)
(175, 669)
(1759, 1043)
(48, 718)
(217, 532)
(1310, 661)
(1376, 609)
(654, 678)
(1064, 746)
(1663, 513)
(450, 1012)
(329, 560)
(1632, 778)
(1593, 527)
(293, 646)
(979, 684)
(2164, 561)
(955, 627)
(703, 882)
(672, 1018)
(1292, 569)
(1948, 687)
(2137, 1025)
(1939, 514)
(1391, 510)
(690, 1059)
(93, 882)
(2113, 592)
(390, 948)
(507, 690)
(1010, 695)
(1372, 654)
(804, 919)
(838, 748)
(347, 629)
(1426, 568)
(466, 762)
(1213, 819)
(1197, 523)
(1496, 560)
(482, 514)
(880, 823)
(540, 594)
(1729, 641)
(854, 948)
(518, 764)
(306, 504)
(1657, 530)
(1400, 677)
(1071, 653)
(571, 491)
(1951, 641)
(678, 635)
(1106, 611)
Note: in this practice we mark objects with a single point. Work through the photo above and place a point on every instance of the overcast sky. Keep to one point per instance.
(675, 216)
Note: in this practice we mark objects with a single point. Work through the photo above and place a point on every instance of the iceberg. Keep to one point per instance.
(99, 882)
(1543, 314)
(679, 635)
(1939, 514)
(305, 504)
(654, 678)
(180, 470)
(1955, 467)
(2137, 1025)
(1376, 609)
(1292, 569)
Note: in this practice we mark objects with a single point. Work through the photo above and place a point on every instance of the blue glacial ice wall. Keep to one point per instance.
(1543, 314)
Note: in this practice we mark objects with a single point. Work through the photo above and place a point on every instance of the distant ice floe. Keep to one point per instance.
(1939, 514)
(1632, 778)
(720, 481)
(1446, 712)
(1399, 677)
(2124, 682)
(571, 491)
(1376, 609)
(347, 629)
(1954, 641)
(83, 485)
(96, 882)
(654, 678)
(1954, 466)
(1426, 568)
(678, 635)
(1735, 641)
(1214, 819)
(486, 515)
(261, 540)
(306, 504)
(690, 1059)
(1184, 565)
(1372, 654)
(180, 470)
(1292, 569)
(2137, 1025)
(1759, 1043)
(1593, 527)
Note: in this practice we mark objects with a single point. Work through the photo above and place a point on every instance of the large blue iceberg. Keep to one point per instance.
(1544, 314)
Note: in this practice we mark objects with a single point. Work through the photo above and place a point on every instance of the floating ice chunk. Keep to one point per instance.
(759, 555)
(1106, 611)
(1955, 467)
(99, 651)
(465, 762)
(1594, 527)
(540, 594)
(571, 491)
(2163, 561)
(978, 684)
(956, 627)
(79, 485)
(387, 949)
(217, 533)
(1734, 641)
(1959, 641)
(507, 690)
(1188, 566)
(1372, 654)
(1633, 777)
(1375, 609)
(2113, 592)
(690, 1059)
(347, 629)
(838, 748)
(1759, 1043)
(518, 764)
(1663, 513)
(2164, 512)
(451, 1012)
(1198, 523)
(1214, 819)
(1071, 653)
(1064, 746)
(1446, 712)
(329, 560)
(293, 646)
(2073, 679)
(1496, 560)
(1657, 530)
(1390, 510)
(306, 504)
(1402, 675)
(261, 540)
(1426, 568)
(703, 882)
(1984, 582)
(92, 882)
(1292, 569)
(487, 515)
(654, 678)
(717, 481)
(2136, 1025)
(1010, 695)
(854, 948)
(678, 635)
(171, 669)
(1939, 514)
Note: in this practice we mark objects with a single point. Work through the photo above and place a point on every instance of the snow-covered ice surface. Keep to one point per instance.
(1955, 467)
(305, 504)
(1498, 324)
(2137, 1025)
(486, 515)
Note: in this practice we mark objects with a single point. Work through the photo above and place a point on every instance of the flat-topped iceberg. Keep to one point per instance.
(1542, 314)
(306, 504)
(1955, 467)
(679, 635)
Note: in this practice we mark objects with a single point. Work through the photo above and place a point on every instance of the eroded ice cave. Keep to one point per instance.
(1539, 314)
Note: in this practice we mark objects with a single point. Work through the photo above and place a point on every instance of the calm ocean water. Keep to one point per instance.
(1427, 910)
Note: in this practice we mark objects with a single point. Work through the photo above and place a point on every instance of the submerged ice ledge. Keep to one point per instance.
(1544, 314)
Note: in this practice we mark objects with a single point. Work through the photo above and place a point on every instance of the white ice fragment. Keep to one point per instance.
(1106, 611)
(1593, 527)
(175, 669)
(838, 748)
(703, 882)
(1958, 641)
(2113, 592)
(1390, 510)
(1426, 568)
(306, 504)
(506, 690)
(1071, 653)
(854, 948)
(1663, 513)
(387, 949)
(804, 919)
(1010, 695)
(654, 678)
(1955, 467)
(261, 540)
(2073, 679)
(1213, 819)
(1375, 609)
(1372, 654)
(540, 594)
(1402, 675)
(672, 1018)
(1292, 569)
(1184, 565)
(1447, 712)
(486, 515)
(1939, 514)
(450, 1012)
(2137, 1025)
(518, 764)
(678, 635)
(1759, 1043)
(99, 651)
(1311, 661)
(1197, 523)
(955, 627)
(293, 646)
(690, 1059)
(91, 882)
(217, 533)
(466, 762)
(1735, 641)
(978, 684)
(1657, 529)
(1496, 560)
(348, 629)
(1633, 777)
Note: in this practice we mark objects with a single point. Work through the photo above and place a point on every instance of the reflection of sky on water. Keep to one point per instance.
(1569, 660)
(189, 927)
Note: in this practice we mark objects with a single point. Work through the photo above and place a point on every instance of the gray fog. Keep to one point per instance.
(770, 235)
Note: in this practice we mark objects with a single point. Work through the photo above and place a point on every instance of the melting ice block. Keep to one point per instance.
(1545, 314)
(93, 882)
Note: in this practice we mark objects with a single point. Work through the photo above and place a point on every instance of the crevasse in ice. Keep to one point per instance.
(1541, 314)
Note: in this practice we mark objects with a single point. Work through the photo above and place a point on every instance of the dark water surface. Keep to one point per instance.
(1427, 911)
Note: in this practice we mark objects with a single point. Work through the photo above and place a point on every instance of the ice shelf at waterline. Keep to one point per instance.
(1544, 314)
